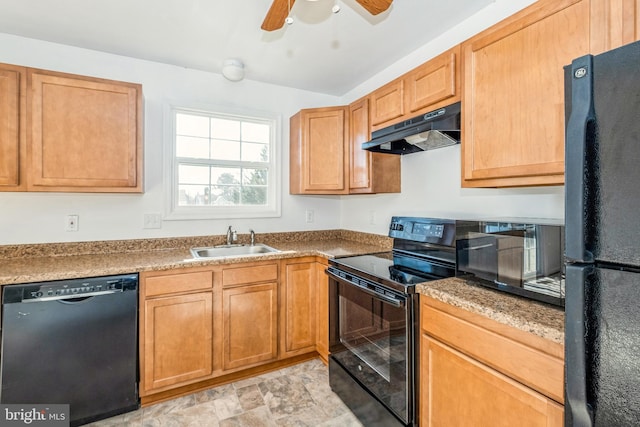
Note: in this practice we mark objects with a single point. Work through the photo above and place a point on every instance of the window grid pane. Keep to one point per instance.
(230, 163)
(221, 186)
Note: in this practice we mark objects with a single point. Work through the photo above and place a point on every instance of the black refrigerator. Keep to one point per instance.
(602, 207)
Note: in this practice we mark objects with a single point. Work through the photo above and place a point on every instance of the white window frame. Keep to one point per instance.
(170, 182)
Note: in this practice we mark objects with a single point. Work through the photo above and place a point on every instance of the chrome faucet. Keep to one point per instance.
(252, 237)
(231, 236)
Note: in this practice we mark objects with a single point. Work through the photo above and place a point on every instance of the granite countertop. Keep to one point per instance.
(24, 263)
(42, 262)
(540, 319)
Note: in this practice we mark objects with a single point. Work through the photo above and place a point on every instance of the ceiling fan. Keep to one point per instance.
(279, 11)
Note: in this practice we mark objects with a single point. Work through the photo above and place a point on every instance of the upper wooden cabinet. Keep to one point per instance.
(513, 96)
(85, 134)
(369, 172)
(614, 24)
(387, 103)
(319, 156)
(12, 127)
(326, 155)
(63, 132)
(432, 85)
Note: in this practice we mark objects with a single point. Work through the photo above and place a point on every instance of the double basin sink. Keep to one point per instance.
(228, 251)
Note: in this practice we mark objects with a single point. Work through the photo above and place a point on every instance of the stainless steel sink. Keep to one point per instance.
(225, 251)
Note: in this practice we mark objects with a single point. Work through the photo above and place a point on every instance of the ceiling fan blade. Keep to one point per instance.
(375, 7)
(276, 15)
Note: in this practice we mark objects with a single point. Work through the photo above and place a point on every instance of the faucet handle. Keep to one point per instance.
(252, 236)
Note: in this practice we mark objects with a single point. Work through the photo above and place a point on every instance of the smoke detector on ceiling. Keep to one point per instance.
(233, 69)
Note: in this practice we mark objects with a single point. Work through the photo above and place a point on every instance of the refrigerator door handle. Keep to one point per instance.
(580, 120)
(577, 411)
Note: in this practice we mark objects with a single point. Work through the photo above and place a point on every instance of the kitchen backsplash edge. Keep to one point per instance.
(166, 243)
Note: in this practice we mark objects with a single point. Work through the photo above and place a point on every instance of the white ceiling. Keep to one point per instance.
(320, 51)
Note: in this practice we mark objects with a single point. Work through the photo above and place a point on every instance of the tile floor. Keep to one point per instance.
(295, 396)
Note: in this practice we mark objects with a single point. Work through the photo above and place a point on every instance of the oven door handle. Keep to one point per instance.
(475, 248)
(390, 300)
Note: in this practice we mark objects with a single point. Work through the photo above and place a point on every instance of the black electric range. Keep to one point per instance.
(373, 314)
(424, 249)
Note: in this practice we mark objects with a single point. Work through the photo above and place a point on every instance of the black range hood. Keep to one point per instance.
(429, 131)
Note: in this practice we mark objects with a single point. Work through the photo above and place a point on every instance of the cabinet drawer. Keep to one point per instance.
(256, 273)
(536, 369)
(178, 282)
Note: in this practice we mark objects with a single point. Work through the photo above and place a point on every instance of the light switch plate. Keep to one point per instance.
(152, 220)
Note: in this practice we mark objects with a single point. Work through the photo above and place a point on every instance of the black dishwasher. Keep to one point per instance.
(72, 342)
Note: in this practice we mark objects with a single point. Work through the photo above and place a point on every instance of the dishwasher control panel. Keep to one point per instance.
(67, 289)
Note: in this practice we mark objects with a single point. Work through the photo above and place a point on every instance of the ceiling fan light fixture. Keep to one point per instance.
(233, 69)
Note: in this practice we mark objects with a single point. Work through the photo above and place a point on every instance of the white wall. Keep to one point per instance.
(39, 217)
(431, 180)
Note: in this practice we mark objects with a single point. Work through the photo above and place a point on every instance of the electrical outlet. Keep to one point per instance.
(372, 217)
(308, 215)
(71, 223)
(152, 220)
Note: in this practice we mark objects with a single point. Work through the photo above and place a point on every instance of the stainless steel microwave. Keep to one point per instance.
(525, 258)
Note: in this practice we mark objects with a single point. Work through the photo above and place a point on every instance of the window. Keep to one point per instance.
(223, 165)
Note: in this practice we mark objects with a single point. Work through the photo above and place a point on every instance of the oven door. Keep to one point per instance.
(371, 339)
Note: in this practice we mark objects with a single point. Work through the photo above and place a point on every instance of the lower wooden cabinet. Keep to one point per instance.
(177, 339)
(477, 372)
(298, 307)
(175, 328)
(322, 311)
(250, 325)
(199, 324)
(459, 391)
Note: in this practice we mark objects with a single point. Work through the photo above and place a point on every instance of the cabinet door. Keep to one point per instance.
(250, 325)
(177, 340)
(360, 160)
(85, 134)
(387, 104)
(513, 130)
(322, 318)
(369, 172)
(319, 153)
(614, 23)
(456, 390)
(298, 308)
(434, 83)
(12, 89)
